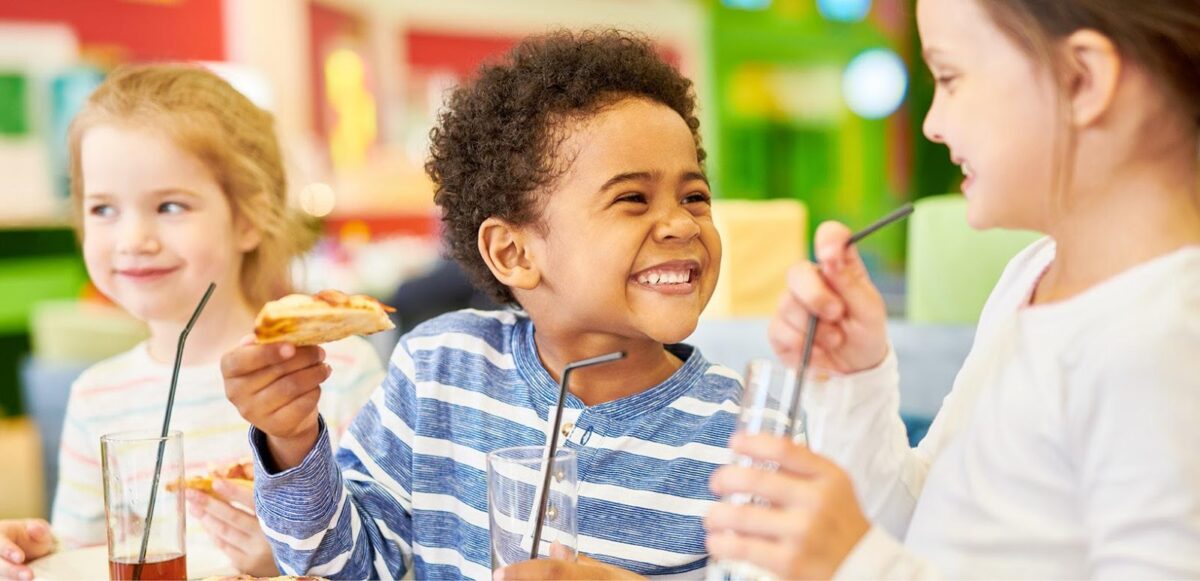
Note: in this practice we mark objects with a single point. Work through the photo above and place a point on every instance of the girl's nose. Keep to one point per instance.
(138, 237)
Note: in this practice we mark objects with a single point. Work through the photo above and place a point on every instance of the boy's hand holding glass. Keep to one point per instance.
(811, 519)
(852, 335)
(232, 528)
(21, 541)
(276, 388)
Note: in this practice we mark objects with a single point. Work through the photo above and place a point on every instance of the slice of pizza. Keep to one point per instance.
(321, 318)
(239, 473)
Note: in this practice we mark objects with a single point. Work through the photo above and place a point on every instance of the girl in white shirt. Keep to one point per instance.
(1070, 444)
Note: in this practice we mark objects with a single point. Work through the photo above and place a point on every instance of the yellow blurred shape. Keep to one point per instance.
(761, 239)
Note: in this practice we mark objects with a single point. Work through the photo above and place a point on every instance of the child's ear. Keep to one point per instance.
(248, 237)
(508, 255)
(1092, 72)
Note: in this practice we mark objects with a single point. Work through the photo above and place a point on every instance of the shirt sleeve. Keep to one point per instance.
(77, 517)
(878, 555)
(855, 421)
(349, 518)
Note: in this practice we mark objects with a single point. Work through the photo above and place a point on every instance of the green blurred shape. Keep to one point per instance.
(14, 110)
(951, 267)
(25, 281)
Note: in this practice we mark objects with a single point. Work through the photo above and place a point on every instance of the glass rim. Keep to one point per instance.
(140, 436)
(499, 455)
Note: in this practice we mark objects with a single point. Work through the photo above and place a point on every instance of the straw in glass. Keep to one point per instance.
(543, 495)
(166, 427)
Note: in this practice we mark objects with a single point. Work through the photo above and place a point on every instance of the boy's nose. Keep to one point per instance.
(678, 224)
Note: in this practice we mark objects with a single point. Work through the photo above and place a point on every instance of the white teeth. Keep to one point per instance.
(966, 169)
(664, 277)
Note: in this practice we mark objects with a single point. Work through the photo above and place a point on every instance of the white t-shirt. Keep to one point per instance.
(1068, 448)
(129, 392)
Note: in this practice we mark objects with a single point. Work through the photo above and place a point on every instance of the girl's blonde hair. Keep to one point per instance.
(208, 118)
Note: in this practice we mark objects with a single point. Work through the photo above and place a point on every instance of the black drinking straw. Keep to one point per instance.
(552, 446)
(806, 356)
(162, 443)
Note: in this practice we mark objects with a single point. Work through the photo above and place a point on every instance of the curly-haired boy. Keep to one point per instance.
(571, 182)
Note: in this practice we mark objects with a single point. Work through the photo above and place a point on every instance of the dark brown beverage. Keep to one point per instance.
(172, 567)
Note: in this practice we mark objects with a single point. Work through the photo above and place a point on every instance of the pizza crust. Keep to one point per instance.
(321, 318)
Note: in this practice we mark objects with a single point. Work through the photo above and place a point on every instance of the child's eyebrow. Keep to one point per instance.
(633, 176)
(645, 176)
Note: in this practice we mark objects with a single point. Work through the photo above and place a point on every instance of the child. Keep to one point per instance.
(179, 182)
(1069, 445)
(571, 184)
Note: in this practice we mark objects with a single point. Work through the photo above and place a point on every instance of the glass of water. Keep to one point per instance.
(766, 403)
(514, 484)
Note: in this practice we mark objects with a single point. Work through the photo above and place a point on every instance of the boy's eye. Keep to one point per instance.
(698, 197)
(171, 208)
(634, 197)
(101, 210)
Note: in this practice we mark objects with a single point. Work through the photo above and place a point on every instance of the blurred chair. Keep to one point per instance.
(952, 268)
(760, 240)
(24, 489)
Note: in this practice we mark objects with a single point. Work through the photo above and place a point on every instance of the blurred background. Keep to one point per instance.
(811, 110)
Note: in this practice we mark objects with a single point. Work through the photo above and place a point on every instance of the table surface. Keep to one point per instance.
(92, 563)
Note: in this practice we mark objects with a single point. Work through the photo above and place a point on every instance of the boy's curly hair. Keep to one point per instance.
(494, 148)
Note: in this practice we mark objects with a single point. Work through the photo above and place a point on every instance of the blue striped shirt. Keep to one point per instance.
(408, 488)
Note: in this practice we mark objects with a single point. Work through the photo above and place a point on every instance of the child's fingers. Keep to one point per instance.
(234, 492)
(842, 267)
(762, 521)
(811, 295)
(292, 412)
(788, 455)
(257, 381)
(292, 386)
(246, 359)
(762, 552)
(10, 570)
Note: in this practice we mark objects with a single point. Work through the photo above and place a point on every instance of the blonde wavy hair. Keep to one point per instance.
(205, 116)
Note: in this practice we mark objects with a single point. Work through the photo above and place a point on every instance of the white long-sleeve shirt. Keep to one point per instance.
(1068, 448)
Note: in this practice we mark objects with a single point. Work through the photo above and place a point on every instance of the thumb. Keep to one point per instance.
(36, 539)
(842, 266)
(234, 491)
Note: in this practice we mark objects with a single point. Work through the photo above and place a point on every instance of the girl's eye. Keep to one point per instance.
(698, 197)
(171, 208)
(945, 80)
(101, 211)
(635, 198)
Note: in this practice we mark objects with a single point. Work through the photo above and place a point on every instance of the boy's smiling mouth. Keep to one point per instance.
(677, 277)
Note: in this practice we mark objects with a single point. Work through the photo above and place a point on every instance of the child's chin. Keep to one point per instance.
(673, 331)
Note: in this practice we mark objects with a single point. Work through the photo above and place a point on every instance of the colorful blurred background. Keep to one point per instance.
(811, 110)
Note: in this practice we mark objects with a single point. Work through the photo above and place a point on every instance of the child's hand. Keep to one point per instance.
(21, 541)
(559, 566)
(276, 388)
(812, 520)
(233, 530)
(852, 334)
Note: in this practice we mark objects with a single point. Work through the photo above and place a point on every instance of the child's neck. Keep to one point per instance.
(226, 319)
(646, 363)
(1137, 217)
